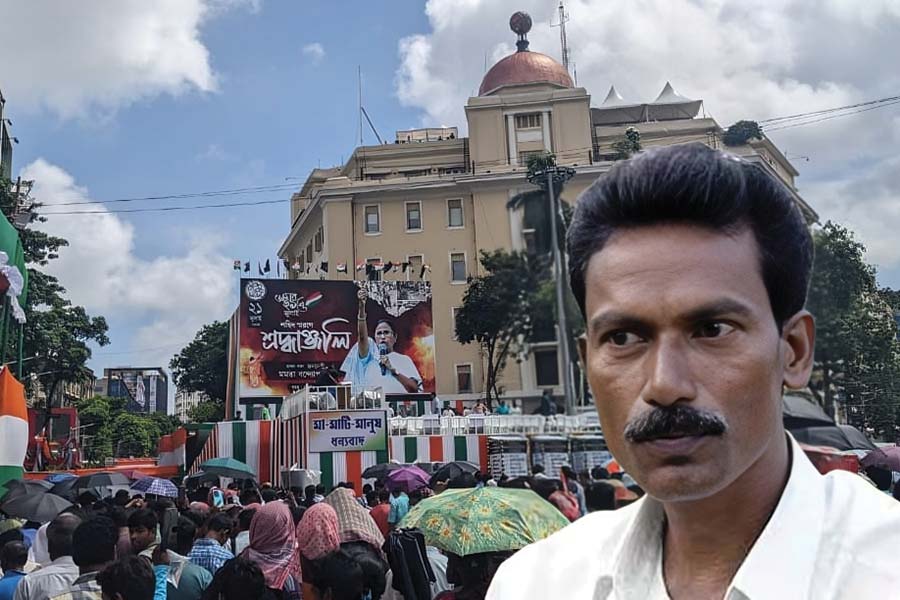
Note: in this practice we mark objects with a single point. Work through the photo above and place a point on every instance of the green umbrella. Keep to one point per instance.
(228, 467)
(486, 519)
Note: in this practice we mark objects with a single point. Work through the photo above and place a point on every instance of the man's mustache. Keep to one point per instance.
(678, 420)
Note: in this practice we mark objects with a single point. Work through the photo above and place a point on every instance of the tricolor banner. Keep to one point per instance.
(172, 448)
(344, 466)
(13, 428)
(440, 448)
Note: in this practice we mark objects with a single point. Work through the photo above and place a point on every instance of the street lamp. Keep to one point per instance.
(547, 177)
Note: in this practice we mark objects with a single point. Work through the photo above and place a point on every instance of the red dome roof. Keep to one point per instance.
(525, 67)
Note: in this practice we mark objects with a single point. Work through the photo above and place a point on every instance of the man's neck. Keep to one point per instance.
(91, 569)
(706, 541)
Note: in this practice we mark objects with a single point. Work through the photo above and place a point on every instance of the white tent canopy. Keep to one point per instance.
(668, 106)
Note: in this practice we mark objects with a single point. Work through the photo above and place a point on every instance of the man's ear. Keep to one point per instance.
(798, 337)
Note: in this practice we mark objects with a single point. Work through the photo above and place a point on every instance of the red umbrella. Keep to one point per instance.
(407, 479)
(887, 457)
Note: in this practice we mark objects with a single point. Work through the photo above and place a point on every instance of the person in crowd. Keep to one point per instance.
(336, 576)
(537, 471)
(120, 517)
(471, 575)
(38, 553)
(374, 567)
(93, 547)
(121, 498)
(309, 494)
(15, 535)
(367, 492)
(242, 539)
(599, 495)
(502, 407)
(62, 571)
(599, 474)
(250, 496)
(480, 408)
(380, 511)
(132, 578)
(691, 267)
(142, 530)
(238, 579)
(319, 496)
(13, 557)
(209, 551)
(516, 408)
(317, 533)
(354, 522)
(374, 362)
(399, 507)
(548, 406)
(186, 581)
(272, 548)
(575, 488)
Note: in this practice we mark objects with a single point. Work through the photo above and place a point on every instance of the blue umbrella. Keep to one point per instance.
(59, 477)
(155, 485)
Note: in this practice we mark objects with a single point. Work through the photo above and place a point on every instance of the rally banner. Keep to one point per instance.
(293, 332)
(351, 430)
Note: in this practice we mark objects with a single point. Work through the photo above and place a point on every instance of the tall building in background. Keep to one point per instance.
(185, 401)
(145, 388)
(428, 204)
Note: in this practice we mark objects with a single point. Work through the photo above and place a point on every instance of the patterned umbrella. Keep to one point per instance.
(407, 479)
(155, 485)
(486, 519)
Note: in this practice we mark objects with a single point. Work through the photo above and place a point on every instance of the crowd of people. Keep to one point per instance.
(263, 542)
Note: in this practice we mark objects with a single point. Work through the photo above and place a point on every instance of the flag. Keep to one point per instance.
(388, 267)
(171, 448)
(360, 265)
(259, 268)
(405, 266)
(247, 267)
(324, 266)
(440, 448)
(296, 264)
(307, 269)
(422, 272)
(13, 428)
(342, 267)
(237, 265)
(267, 268)
(379, 266)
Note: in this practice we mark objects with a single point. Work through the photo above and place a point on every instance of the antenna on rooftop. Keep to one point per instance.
(563, 40)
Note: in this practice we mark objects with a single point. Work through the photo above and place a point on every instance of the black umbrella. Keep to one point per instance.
(65, 489)
(22, 487)
(35, 507)
(192, 481)
(452, 470)
(429, 467)
(379, 471)
(100, 484)
(840, 437)
(800, 411)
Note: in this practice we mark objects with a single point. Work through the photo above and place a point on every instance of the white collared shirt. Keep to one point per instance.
(832, 536)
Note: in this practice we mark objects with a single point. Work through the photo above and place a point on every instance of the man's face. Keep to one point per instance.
(384, 335)
(141, 538)
(678, 316)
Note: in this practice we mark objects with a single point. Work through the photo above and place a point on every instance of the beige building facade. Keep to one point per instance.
(437, 199)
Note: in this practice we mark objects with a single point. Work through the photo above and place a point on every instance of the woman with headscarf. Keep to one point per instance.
(317, 537)
(273, 548)
(354, 522)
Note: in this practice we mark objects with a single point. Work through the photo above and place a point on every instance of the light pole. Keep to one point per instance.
(547, 177)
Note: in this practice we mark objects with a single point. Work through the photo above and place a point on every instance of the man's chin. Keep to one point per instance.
(682, 482)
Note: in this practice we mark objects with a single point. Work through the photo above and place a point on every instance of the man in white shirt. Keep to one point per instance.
(691, 268)
(61, 573)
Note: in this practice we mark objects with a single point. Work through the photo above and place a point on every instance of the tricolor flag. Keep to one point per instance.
(237, 265)
(342, 267)
(313, 299)
(344, 466)
(13, 427)
(440, 448)
(360, 265)
(171, 448)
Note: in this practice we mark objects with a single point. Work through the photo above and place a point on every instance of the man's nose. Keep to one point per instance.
(669, 377)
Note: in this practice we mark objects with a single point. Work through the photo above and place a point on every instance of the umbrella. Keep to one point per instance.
(155, 485)
(59, 477)
(407, 478)
(429, 467)
(228, 467)
(799, 411)
(199, 477)
(35, 507)
(453, 470)
(65, 489)
(840, 437)
(486, 519)
(887, 457)
(23, 487)
(100, 484)
(379, 471)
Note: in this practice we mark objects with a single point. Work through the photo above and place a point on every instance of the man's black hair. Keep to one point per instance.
(11, 535)
(122, 497)
(13, 556)
(94, 542)
(59, 535)
(131, 577)
(269, 495)
(600, 496)
(599, 473)
(245, 517)
(185, 532)
(249, 497)
(337, 574)
(320, 489)
(373, 566)
(238, 579)
(87, 498)
(384, 495)
(537, 469)
(219, 522)
(145, 518)
(696, 185)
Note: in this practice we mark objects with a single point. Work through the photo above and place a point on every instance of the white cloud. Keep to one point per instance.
(173, 296)
(314, 52)
(755, 59)
(89, 58)
(215, 152)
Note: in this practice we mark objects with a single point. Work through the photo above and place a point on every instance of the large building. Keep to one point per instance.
(185, 401)
(146, 389)
(436, 199)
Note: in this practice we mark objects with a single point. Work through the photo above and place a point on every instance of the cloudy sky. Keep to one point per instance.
(126, 99)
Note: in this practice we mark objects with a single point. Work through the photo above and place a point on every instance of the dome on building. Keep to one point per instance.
(524, 66)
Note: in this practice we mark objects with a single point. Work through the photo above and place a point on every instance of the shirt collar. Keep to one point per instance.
(780, 563)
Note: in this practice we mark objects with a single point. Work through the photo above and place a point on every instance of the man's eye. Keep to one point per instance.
(714, 329)
(623, 338)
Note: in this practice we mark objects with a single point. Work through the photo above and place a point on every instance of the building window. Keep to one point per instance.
(546, 367)
(309, 252)
(457, 267)
(525, 155)
(414, 271)
(530, 121)
(464, 379)
(320, 235)
(375, 274)
(455, 212)
(413, 216)
(373, 219)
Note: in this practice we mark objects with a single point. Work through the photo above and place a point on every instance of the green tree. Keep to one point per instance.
(111, 431)
(856, 356)
(495, 312)
(56, 333)
(202, 365)
(207, 412)
(742, 132)
(629, 145)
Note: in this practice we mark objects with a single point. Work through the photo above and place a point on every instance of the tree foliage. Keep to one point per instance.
(742, 132)
(629, 145)
(202, 365)
(857, 357)
(207, 412)
(112, 431)
(56, 333)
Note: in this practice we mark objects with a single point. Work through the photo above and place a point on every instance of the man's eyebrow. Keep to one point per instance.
(716, 308)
